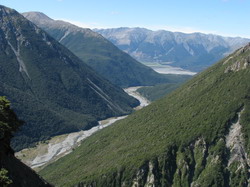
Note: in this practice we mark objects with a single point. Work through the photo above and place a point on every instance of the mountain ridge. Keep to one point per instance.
(195, 51)
(104, 57)
(36, 70)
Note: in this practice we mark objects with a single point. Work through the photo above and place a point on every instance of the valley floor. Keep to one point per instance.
(168, 69)
(133, 92)
(59, 146)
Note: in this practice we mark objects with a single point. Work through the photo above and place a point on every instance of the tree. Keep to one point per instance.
(4, 179)
(9, 122)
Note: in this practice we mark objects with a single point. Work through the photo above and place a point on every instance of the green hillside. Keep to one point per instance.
(100, 54)
(50, 88)
(196, 136)
(153, 93)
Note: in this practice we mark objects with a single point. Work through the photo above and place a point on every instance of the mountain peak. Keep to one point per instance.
(194, 51)
(4, 10)
(42, 20)
(35, 68)
(100, 54)
(37, 16)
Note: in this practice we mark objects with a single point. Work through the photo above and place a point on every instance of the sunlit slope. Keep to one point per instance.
(198, 135)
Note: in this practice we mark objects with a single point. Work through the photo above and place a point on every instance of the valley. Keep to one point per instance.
(164, 68)
(99, 53)
(132, 91)
(185, 138)
(51, 150)
(36, 69)
(123, 105)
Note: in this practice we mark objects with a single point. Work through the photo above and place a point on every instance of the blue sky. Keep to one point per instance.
(223, 17)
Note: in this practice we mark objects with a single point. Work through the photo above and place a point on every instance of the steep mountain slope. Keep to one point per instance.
(196, 136)
(12, 171)
(153, 93)
(51, 89)
(194, 52)
(110, 62)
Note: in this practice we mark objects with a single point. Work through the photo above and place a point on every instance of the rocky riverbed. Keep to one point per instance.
(59, 146)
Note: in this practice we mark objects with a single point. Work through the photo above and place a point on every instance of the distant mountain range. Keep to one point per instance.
(196, 136)
(50, 88)
(194, 52)
(99, 53)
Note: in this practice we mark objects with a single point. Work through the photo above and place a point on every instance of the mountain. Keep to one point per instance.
(50, 88)
(194, 52)
(196, 136)
(110, 62)
(152, 93)
(12, 171)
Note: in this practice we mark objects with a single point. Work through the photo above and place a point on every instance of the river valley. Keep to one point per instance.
(59, 146)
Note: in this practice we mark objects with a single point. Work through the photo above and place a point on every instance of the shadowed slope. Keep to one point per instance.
(104, 57)
(51, 89)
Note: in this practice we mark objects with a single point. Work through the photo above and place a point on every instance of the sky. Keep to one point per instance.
(222, 17)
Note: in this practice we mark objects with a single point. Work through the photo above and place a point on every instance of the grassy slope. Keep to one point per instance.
(200, 108)
(153, 93)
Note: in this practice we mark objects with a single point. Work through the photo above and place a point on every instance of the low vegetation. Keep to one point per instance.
(153, 93)
(4, 179)
(166, 135)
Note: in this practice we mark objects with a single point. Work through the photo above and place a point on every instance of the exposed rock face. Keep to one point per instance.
(239, 64)
(238, 163)
(192, 165)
